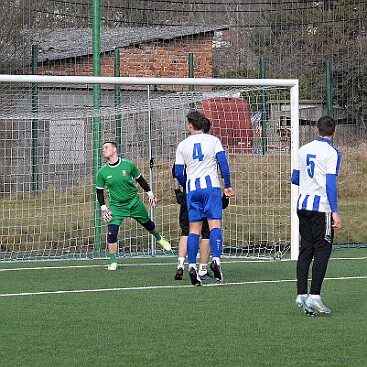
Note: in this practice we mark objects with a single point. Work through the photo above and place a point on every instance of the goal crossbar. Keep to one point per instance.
(54, 79)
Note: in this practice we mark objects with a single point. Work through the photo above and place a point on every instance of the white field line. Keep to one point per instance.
(155, 264)
(159, 286)
(164, 287)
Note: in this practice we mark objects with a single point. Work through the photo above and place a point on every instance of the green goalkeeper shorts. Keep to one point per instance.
(137, 212)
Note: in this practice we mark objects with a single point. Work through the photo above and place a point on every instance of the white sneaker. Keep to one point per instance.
(112, 266)
(315, 306)
(300, 300)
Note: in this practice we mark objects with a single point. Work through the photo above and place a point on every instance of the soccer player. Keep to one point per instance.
(315, 171)
(117, 175)
(201, 153)
(184, 225)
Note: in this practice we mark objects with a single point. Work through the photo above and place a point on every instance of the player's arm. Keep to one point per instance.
(224, 168)
(106, 213)
(296, 172)
(295, 177)
(332, 195)
(180, 174)
(180, 166)
(100, 196)
(145, 186)
(100, 183)
(332, 192)
(180, 196)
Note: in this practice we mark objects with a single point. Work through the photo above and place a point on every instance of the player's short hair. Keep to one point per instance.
(110, 142)
(326, 126)
(206, 127)
(199, 121)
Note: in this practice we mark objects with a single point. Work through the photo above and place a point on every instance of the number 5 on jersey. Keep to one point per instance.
(310, 164)
(197, 153)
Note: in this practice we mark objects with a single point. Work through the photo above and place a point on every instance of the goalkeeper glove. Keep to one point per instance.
(225, 201)
(180, 197)
(152, 199)
(106, 214)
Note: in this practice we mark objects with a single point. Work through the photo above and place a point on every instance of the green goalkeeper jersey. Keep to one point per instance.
(118, 180)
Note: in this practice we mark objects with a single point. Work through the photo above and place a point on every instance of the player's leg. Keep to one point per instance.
(304, 260)
(216, 240)
(112, 231)
(306, 252)
(182, 244)
(195, 210)
(213, 211)
(192, 251)
(323, 239)
(204, 252)
(140, 214)
(323, 235)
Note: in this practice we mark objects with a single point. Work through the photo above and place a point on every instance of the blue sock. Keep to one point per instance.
(216, 240)
(192, 247)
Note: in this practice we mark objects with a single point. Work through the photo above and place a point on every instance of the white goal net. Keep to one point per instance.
(51, 133)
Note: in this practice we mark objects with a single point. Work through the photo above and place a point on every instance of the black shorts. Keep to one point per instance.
(315, 228)
(185, 225)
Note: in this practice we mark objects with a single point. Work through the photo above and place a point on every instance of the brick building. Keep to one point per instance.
(62, 155)
(144, 52)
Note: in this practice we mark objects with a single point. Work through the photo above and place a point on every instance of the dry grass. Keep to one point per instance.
(352, 183)
(57, 219)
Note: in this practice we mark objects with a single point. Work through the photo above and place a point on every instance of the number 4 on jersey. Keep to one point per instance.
(197, 153)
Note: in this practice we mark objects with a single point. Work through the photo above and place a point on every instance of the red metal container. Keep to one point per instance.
(231, 121)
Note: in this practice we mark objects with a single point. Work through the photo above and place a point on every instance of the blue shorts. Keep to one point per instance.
(185, 225)
(205, 203)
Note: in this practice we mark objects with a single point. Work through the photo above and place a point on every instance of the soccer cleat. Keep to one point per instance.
(194, 277)
(217, 271)
(300, 300)
(206, 276)
(312, 307)
(309, 312)
(164, 243)
(112, 266)
(179, 274)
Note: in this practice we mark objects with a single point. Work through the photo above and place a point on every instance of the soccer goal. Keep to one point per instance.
(52, 128)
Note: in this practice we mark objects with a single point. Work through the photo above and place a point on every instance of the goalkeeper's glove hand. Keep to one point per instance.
(225, 201)
(152, 199)
(180, 197)
(106, 214)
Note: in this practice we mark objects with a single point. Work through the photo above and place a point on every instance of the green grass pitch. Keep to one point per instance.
(76, 313)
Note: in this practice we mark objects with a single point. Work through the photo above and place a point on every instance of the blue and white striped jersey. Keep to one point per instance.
(315, 171)
(198, 153)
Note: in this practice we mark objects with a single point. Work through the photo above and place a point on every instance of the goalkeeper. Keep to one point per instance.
(117, 175)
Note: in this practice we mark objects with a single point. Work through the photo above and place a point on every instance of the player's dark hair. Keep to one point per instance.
(110, 142)
(326, 126)
(198, 121)
(206, 127)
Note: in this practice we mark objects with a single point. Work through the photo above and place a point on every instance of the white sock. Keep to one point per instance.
(217, 259)
(203, 269)
(193, 266)
(316, 297)
(181, 262)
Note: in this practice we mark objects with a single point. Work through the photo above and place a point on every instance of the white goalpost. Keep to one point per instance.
(51, 132)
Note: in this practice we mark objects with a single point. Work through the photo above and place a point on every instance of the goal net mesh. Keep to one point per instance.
(47, 144)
